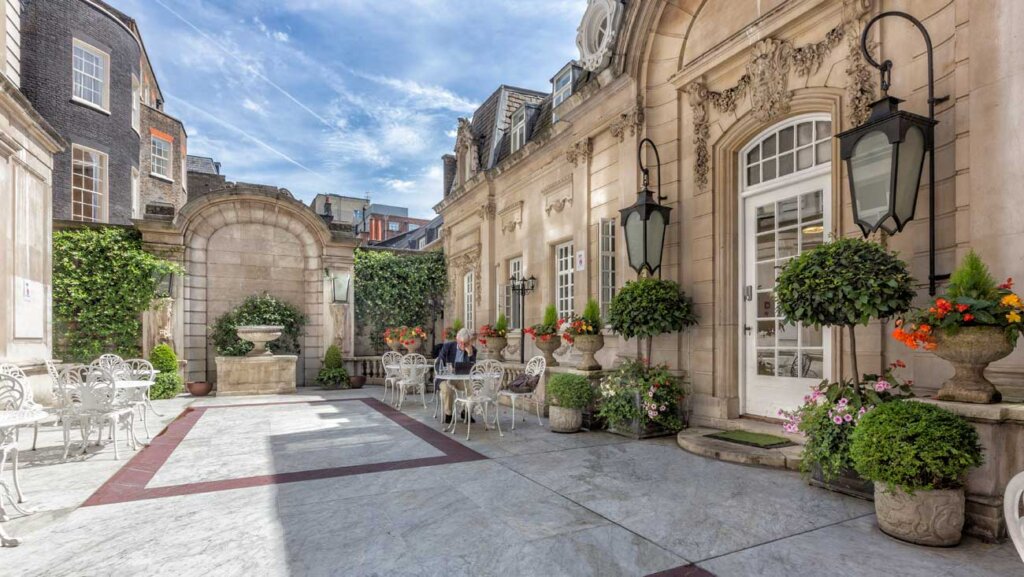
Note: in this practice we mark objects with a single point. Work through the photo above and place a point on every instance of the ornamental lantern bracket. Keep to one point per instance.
(646, 220)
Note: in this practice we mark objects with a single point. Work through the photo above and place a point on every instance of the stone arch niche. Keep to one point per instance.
(249, 239)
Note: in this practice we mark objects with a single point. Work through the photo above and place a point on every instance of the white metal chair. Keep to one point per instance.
(12, 398)
(92, 397)
(29, 401)
(414, 376)
(481, 393)
(110, 362)
(439, 369)
(534, 368)
(137, 398)
(1011, 509)
(390, 362)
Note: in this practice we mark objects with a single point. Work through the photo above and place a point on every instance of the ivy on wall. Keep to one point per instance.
(102, 282)
(396, 289)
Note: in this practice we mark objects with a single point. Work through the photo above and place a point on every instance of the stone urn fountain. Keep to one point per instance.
(259, 336)
(588, 345)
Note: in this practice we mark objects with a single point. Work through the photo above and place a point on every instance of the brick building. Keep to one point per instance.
(373, 222)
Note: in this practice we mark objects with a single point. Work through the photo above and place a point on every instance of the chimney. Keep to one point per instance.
(450, 170)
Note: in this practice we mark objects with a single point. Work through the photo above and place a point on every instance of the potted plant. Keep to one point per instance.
(168, 381)
(584, 333)
(918, 455)
(545, 335)
(975, 323)
(648, 307)
(199, 388)
(333, 374)
(391, 339)
(641, 401)
(411, 338)
(827, 419)
(568, 394)
(494, 338)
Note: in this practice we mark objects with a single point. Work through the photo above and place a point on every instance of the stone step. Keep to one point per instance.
(694, 440)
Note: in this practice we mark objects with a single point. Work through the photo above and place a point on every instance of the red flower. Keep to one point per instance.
(968, 317)
(961, 307)
(1007, 285)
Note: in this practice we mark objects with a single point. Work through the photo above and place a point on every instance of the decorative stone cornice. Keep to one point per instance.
(558, 195)
(633, 121)
(511, 217)
(580, 152)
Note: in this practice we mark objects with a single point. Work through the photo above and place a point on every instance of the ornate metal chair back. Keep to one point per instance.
(12, 392)
(536, 366)
(389, 361)
(414, 367)
(141, 370)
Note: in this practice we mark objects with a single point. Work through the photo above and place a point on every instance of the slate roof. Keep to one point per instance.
(494, 117)
(202, 165)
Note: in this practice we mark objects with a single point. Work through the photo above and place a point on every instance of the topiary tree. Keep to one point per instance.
(333, 358)
(648, 307)
(592, 314)
(168, 383)
(333, 374)
(258, 310)
(844, 282)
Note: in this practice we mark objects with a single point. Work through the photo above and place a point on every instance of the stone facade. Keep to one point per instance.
(156, 189)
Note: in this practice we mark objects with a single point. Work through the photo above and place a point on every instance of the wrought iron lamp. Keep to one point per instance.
(522, 286)
(646, 220)
(885, 156)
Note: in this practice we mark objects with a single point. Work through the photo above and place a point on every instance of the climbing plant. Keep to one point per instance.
(102, 282)
(396, 289)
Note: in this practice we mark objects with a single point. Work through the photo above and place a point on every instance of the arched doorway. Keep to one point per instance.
(785, 209)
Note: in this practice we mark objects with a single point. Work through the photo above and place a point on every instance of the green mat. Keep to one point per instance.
(759, 440)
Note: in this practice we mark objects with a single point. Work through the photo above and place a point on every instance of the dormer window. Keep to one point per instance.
(563, 87)
(519, 129)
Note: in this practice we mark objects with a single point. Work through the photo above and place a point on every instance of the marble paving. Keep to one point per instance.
(348, 486)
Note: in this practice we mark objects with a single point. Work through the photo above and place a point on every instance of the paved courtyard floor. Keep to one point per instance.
(341, 484)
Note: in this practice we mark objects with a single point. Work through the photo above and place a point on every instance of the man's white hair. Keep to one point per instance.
(464, 335)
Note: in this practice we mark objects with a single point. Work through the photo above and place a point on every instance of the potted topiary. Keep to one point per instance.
(918, 455)
(641, 401)
(333, 374)
(584, 333)
(975, 323)
(494, 338)
(648, 307)
(567, 395)
(545, 335)
(168, 381)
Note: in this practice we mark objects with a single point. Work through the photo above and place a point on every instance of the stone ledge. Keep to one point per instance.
(693, 440)
(994, 413)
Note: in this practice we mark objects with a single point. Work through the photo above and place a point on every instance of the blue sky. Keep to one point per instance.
(345, 96)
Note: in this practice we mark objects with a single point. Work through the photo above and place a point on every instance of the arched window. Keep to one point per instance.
(793, 147)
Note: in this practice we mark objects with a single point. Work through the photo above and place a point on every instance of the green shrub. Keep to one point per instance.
(972, 280)
(569, 391)
(637, 392)
(168, 382)
(102, 282)
(163, 359)
(333, 378)
(914, 446)
(258, 310)
(332, 358)
(501, 325)
(592, 314)
(648, 307)
(550, 316)
(457, 326)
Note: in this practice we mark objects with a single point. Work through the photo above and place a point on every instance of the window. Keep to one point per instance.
(607, 264)
(791, 149)
(136, 200)
(393, 226)
(519, 129)
(564, 279)
(467, 171)
(90, 72)
(136, 104)
(563, 87)
(467, 299)
(513, 302)
(412, 227)
(160, 157)
(88, 184)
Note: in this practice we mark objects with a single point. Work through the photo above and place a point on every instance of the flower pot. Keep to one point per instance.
(494, 346)
(548, 347)
(848, 483)
(588, 345)
(199, 389)
(259, 336)
(356, 381)
(413, 345)
(639, 428)
(395, 346)
(934, 518)
(970, 350)
(564, 420)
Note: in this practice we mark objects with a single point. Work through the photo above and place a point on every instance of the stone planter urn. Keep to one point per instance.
(970, 350)
(588, 345)
(563, 420)
(934, 518)
(548, 347)
(494, 347)
(413, 345)
(259, 336)
(395, 346)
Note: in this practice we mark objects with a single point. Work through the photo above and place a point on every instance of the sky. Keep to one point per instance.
(345, 96)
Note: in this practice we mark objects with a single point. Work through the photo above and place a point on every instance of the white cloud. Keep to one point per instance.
(400, 185)
(452, 133)
(252, 106)
(426, 96)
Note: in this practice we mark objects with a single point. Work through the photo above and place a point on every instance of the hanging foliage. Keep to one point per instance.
(102, 282)
(397, 289)
(261, 309)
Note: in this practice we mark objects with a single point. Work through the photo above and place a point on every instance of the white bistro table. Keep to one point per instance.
(459, 382)
(9, 423)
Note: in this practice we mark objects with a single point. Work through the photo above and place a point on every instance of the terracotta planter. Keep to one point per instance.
(549, 347)
(413, 346)
(356, 381)
(934, 518)
(564, 420)
(494, 347)
(970, 350)
(199, 389)
(588, 345)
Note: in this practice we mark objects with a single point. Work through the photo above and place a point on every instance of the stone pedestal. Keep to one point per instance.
(264, 375)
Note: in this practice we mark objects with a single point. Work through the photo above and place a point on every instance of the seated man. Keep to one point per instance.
(459, 351)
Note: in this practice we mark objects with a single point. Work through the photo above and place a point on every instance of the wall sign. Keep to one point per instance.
(581, 260)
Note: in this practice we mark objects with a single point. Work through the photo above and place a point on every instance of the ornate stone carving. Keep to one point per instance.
(698, 94)
(933, 518)
(632, 121)
(487, 211)
(599, 32)
(580, 152)
(860, 92)
(768, 70)
(511, 217)
(557, 195)
(460, 264)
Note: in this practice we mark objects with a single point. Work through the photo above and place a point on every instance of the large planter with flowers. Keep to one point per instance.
(584, 334)
(545, 335)
(391, 339)
(640, 402)
(412, 338)
(494, 338)
(975, 323)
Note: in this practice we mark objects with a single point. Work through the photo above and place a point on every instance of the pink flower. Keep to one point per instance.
(882, 385)
(843, 403)
(848, 417)
(837, 420)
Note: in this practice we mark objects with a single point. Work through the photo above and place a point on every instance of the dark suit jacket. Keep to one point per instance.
(450, 349)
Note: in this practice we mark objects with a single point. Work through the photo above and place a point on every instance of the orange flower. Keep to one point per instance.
(968, 317)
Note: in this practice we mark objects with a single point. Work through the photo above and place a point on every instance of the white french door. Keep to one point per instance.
(781, 361)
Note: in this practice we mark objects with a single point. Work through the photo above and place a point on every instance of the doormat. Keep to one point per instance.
(759, 440)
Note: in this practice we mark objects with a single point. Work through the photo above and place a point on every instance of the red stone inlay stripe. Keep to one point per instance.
(129, 483)
(684, 571)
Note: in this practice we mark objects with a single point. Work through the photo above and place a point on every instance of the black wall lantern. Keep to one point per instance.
(522, 286)
(645, 221)
(885, 156)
